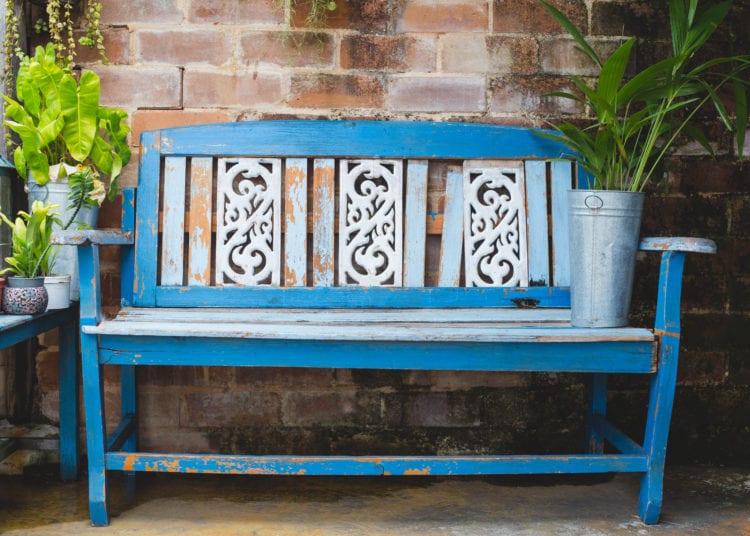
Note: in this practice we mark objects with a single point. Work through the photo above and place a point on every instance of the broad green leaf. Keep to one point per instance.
(613, 72)
(101, 155)
(80, 105)
(19, 160)
(47, 79)
(50, 128)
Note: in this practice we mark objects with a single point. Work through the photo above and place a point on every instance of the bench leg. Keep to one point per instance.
(128, 399)
(93, 397)
(661, 398)
(68, 401)
(597, 405)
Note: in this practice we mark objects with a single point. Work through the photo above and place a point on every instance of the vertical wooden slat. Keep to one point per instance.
(562, 181)
(416, 223)
(127, 269)
(295, 245)
(199, 224)
(173, 241)
(147, 220)
(323, 221)
(536, 222)
(452, 240)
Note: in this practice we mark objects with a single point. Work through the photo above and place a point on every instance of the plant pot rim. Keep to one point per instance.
(17, 281)
(58, 276)
(608, 192)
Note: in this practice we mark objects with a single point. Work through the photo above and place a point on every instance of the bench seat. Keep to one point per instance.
(499, 339)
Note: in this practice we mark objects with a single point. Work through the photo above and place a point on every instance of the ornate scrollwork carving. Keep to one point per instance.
(248, 243)
(370, 222)
(495, 229)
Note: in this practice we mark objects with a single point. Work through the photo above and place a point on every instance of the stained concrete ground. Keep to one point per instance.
(698, 500)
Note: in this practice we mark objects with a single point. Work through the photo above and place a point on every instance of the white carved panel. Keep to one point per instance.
(370, 222)
(495, 249)
(248, 233)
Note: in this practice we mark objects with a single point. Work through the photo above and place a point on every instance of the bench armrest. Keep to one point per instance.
(679, 243)
(87, 237)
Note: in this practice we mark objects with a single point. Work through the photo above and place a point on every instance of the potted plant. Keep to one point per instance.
(637, 122)
(33, 255)
(64, 137)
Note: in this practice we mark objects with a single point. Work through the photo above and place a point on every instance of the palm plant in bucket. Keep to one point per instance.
(638, 119)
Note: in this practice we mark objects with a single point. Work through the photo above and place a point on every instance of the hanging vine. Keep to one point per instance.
(59, 19)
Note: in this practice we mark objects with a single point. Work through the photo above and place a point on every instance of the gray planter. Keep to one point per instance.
(604, 235)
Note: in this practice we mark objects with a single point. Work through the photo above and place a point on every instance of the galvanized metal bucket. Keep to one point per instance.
(56, 193)
(604, 234)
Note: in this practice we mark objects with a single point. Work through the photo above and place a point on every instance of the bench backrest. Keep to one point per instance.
(350, 214)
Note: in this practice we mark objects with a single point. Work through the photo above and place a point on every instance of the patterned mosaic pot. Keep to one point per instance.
(24, 296)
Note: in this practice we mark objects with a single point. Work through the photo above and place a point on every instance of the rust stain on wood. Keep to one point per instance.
(129, 463)
(417, 472)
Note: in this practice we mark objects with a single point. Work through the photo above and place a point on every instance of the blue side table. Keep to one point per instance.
(18, 328)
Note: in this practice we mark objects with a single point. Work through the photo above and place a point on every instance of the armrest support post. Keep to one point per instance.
(91, 291)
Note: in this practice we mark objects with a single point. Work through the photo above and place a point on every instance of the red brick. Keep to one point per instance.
(49, 405)
(213, 89)
(285, 377)
(467, 53)
(303, 408)
(336, 91)
(630, 18)
(427, 409)
(562, 56)
(129, 176)
(173, 440)
(528, 16)
(229, 409)
(235, 12)
(298, 49)
(366, 16)
(162, 11)
(388, 53)
(442, 16)
(158, 409)
(116, 46)
(174, 47)
(136, 87)
(156, 119)
(522, 95)
(462, 381)
(48, 370)
(433, 94)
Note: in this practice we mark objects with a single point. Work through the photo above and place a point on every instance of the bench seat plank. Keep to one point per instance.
(355, 326)
(628, 357)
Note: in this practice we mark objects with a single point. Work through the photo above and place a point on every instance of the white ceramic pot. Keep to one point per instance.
(58, 291)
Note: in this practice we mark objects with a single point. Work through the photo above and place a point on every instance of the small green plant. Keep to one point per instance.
(58, 120)
(33, 253)
(638, 120)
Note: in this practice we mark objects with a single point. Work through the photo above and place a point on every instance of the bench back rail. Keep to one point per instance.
(245, 207)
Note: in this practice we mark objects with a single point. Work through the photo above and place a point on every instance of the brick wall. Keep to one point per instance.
(178, 62)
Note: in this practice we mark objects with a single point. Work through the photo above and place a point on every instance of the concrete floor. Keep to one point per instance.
(698, 500)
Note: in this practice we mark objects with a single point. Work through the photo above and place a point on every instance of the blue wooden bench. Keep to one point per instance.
(305, 244)
(18, 328)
